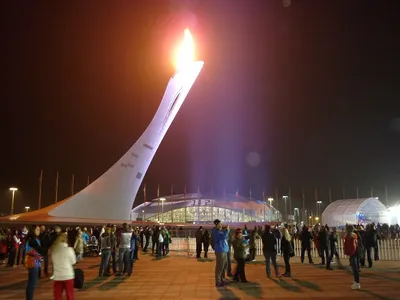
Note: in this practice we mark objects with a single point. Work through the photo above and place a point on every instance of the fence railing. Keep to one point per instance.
(388, 249)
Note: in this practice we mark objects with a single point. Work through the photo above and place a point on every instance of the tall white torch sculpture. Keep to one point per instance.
(112, 195)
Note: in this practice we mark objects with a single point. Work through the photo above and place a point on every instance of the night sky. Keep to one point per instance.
(300, 96)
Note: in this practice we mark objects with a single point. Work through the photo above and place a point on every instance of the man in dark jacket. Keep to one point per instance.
(324, 246)
(306, 238)
(199, 239)
(270, 250)
(371, 241)
(45, 242)
(362, 238)
(333, 241)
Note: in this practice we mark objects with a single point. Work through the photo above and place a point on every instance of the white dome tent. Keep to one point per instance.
(355, 211)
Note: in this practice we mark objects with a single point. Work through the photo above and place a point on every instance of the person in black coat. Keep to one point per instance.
(270, 250)
(206, 242)
(199, 239)
(306, 238)
(362, 238)
(333, 241)
(371, 241)
(323, 236)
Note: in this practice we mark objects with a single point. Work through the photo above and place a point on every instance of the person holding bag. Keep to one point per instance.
(64, 260)
(33, 259)
(287, 251)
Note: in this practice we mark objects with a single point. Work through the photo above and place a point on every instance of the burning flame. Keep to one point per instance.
(185, 53)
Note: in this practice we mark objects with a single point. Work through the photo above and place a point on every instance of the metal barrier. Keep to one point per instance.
(389, 249)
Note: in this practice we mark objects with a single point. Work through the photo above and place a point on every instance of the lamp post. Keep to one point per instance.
(318, 207)
(27, 208)
(13, 190)
(310, 222)
(285, 198)
(296, 214)
(317, 219)
(162, 209)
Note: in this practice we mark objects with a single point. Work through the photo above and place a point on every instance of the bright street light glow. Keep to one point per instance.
(270, 199)
(13, 189)
(319, 202)
(162, 199)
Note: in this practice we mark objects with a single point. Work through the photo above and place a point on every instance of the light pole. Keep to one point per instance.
(162, 209)
(317, 219)
(296, 214)
(270, 201)
(285, 198)
(13, 190)
(27, 208)
(318, 206)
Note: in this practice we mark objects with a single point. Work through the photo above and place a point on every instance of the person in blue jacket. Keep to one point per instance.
(220, 246)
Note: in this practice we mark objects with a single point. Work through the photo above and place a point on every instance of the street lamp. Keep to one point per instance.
(13, 190)
(162, 208)
(270, 201)
(285, 198)
(27, 208)
(318, 205)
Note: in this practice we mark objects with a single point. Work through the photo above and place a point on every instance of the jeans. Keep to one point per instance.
(33, 276)
(220, 266)
(60, 286)
(165, 248)
(124, 259)
(240, 274)
(114, 261)
(198, 250)
(205, 245)
(46, 263)
(228, 266)
(105, 261)
(271, 256)
(325, 254)
(303, 252)
(354, 262)
(146, 245)
(286, 258)
(252, 254)
(335, 253)
(11, 257)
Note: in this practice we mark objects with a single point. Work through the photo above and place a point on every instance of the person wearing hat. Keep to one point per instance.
(220, 245)
(239, 248)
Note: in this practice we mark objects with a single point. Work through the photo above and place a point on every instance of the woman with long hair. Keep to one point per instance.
(64, 260)
(287, 250)
(33, 259)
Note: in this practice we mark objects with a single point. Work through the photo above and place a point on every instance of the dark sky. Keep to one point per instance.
(313, 89)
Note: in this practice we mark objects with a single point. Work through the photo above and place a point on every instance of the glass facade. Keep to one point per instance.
(209, 214)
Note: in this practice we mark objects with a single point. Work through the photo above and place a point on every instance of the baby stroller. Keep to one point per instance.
(92, 247)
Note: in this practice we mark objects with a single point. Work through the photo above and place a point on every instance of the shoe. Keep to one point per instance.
(51, 277)
(355, 286)
(286, 275)
(219, 284)
(245, 281)
(278, 275)
(329, 268)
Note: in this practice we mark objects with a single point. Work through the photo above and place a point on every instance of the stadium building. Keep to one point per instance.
(198, 208)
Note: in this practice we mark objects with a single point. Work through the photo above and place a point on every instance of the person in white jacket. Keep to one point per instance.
(64, 260)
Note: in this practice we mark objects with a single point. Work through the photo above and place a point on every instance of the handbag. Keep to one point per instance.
(79, 278)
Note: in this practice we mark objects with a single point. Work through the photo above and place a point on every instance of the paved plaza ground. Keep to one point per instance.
(181, 277)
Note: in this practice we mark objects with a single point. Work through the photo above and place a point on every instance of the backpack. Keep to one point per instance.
(350, 244)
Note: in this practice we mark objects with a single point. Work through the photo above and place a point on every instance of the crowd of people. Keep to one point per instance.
(359, 243)
(118, 247)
